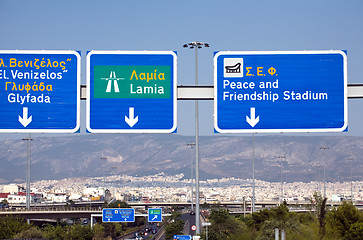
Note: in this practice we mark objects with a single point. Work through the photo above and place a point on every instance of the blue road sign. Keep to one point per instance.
(182, 237)
(118, 215)
(40, 91)
(155, 215)
(131, 92)
(293, 91)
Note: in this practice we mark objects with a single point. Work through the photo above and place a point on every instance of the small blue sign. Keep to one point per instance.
(39, 91)
(155, 215)
(131, 92)
(118, 215)
(182, 237)
(293, 91)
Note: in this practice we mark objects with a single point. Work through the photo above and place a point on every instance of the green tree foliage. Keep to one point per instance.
(99, 231)
(224, 226)
(10, 226)
(342, 221)
(280, 213)
(31, 233)
(174, 228)
(55, 232)
(293, 229)
(112, 230)
(173, 225)
(74, 232)
(318, 204)
(355, 231)
(296, 226)
(80, 232)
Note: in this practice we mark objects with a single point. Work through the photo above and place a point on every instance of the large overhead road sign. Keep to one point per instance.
(39, 91)
(118, 215)
(292, 91)
(131, 91)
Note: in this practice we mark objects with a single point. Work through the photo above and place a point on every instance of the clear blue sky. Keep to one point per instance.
(85, 25)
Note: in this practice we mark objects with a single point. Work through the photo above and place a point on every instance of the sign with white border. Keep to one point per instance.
(131, 91)
(280, 91)
(40, 91)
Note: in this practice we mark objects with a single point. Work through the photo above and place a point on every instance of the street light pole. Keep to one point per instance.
(351, 178)
(324, 148)
(282, 183)
(318, 180)
(351, 183)
(191, 175)
(253, 174)
(28, 163)
(196, 45)
(104, 159)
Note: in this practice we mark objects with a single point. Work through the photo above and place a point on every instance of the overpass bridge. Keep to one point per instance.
(85, 210)
(52, 213)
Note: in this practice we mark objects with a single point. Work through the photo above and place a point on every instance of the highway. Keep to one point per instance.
(189, 222)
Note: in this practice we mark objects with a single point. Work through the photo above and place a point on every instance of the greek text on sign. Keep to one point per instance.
(39, 91)
(295, 91)
(131, 92)
(132, 82)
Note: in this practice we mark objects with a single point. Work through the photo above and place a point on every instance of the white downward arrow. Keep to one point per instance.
(131, 120)
(253, 120)
(25, 120)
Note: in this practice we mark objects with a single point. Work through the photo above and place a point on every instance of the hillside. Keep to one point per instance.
(86, 155)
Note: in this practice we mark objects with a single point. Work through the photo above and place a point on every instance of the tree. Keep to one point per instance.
(55, 232)
(98, 231)
(224, 226)
(112, 230)
(293, 229)
(355, 231)
(319, 205)
(173, 224)
(174, 228)
(80, 232)
(341, 220)
(296, 226)
(280, 213)
(9, 226)
(30, 233)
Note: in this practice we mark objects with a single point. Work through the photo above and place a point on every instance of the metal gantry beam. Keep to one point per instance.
(355, 90)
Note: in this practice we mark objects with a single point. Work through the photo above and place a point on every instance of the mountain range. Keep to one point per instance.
(295, 158)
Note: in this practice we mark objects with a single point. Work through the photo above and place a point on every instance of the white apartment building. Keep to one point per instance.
(19, 198)
(12, 188)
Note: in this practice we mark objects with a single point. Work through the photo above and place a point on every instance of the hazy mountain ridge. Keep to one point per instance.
(220, 156)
